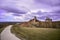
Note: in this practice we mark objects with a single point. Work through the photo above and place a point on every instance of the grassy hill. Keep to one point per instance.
(26, 33)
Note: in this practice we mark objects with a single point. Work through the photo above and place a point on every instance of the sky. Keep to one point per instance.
(24, 10)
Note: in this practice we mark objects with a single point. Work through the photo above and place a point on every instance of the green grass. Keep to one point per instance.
(36, 33)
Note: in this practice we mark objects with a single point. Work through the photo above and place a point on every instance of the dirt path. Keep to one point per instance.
(7, 35)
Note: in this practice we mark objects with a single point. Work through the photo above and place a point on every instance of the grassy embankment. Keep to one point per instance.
(1, 29)
(36, 33)
(4, 24)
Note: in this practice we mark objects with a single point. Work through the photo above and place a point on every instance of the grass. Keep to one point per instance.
(1, 29)
(36, 33)
(2, 26)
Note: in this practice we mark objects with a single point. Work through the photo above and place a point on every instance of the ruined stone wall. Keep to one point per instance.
(41, 24)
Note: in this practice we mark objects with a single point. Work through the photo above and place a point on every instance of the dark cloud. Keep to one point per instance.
(15, 14)
(39, 12)
(14, 10)
(1, 18)
(53, 17)
(49, 2)
(57, 11)
(43, 17)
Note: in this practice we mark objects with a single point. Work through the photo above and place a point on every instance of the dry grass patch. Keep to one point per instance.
(36, 33)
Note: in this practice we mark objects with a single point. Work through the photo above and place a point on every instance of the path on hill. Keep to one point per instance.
(7, 35)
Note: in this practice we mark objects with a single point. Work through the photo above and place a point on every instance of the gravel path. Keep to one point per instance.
(7, 35)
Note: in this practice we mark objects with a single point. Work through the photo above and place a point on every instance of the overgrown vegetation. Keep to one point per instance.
(4, 24)
(26, 33)
(1, 29)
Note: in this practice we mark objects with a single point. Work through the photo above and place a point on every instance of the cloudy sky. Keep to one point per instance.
(24, 10)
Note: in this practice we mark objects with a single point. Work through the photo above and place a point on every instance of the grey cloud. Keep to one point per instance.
(14, 10)
(56, 12)
(15, 14)
(49, 2)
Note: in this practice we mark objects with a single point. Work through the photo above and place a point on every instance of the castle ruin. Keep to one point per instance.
(48, 23)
